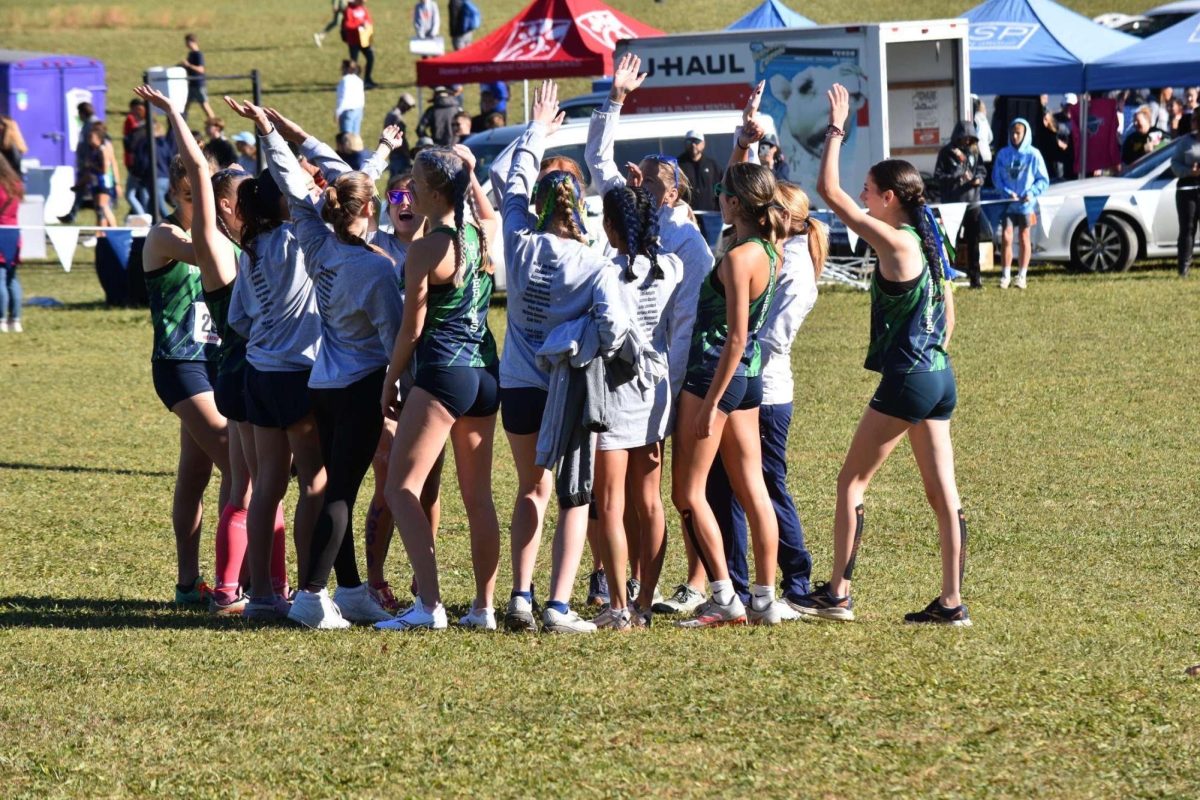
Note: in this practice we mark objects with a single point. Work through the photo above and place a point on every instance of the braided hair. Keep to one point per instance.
(903, 179)
(447, 174)
(345, 200)
(632, 213)
(558, 195)
(260, 209)
(225, 185)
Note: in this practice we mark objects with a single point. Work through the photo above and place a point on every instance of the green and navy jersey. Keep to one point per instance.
(183, 328)
(456, 332)
(231, 357)
(711, 329)
(908, 330)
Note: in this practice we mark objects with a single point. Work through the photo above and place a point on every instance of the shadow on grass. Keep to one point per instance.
(75, 468)
(80, 613)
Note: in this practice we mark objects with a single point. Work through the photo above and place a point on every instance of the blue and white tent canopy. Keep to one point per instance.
(1170, 57)
(772, 14)
(1027, 47)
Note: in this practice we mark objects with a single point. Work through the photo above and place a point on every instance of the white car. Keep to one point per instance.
(638, 135)
(1126, 230)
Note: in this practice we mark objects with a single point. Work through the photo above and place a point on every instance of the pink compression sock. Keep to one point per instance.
(279, 574)
(231, 551)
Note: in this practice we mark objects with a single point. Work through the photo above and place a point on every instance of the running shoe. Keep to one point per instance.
(384, 597)
(198, 595)
(937, 614)
(715, 615)
(1004, 281)
(267, 609)
(317, 610)
(775, 613)
(1019, 282)
(633, 587)
(822, 602)
(614, 620)
(3, 326)
(685, 600)
(357, 605)
(640, 619)
(227, 606)
(570, 622)
(416, 618)
(597, 589)
(519, 616)
(483, 619)
(319, 39)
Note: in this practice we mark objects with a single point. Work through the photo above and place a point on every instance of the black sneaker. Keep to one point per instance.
(937, 614)
(822, 602)
(597, 589)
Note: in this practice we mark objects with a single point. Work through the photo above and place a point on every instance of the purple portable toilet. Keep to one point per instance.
(40, 91)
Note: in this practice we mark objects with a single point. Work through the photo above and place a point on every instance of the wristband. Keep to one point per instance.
(833, 130)
(386, 143)
(739, 144)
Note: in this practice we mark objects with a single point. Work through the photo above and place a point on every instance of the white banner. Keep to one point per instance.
(1147, 205)
(64, 238)
(1048, 208)
(952, 217)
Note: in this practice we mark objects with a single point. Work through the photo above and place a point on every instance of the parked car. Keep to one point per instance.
(1125, 231)
(637, 136)
(581, 107)
(1152, 21)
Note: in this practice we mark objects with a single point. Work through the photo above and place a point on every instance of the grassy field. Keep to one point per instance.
(1077, 457)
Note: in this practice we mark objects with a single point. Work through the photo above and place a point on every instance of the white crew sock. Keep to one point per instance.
(722, 591)
(761, 596)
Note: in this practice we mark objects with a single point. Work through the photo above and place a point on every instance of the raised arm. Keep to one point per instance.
(485, 214)
(527, 159)
(602, 131)
(746, 135)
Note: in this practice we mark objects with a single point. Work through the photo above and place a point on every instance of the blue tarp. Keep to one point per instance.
(1170, 57)
(772, 14)
(1030, 47)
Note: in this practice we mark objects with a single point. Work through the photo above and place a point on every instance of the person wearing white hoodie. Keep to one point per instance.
(351, 99)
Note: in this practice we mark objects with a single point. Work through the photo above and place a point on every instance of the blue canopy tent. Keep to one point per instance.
(772, 14)
(1031, 47)
(1170, 57)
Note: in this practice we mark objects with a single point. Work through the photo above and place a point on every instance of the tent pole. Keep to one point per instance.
(1083, 134)
(526, 100)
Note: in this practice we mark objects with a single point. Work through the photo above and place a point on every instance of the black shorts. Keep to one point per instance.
(276, 399)
(742, 394)
(464, 391)
(522, 409)
(175, 381)
(1019, 219)
(197, 92)
(916, 396)
(230, 393)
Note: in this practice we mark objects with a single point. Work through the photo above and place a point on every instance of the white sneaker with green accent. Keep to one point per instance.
(483, 619)
(685, 600)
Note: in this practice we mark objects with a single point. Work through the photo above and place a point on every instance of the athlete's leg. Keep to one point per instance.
(794, 559)
(691, 462)
(305, 444)
(610, 512)
(934, 452)
(377, 528)
(741, 452)
(472, 438)
(645, 496)
(731, 521)
(273, 462)
(534, 486)
(191, 479)
(1026, 248)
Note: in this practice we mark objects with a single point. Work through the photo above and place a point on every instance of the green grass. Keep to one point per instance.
(1076, 450)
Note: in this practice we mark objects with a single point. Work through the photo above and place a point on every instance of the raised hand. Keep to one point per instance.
(252, 112)
(392, 136)
(154, 97)
(753, 131)
(634, 173)
(626, 77)
(545, 103)
(839, 105)
(755, 99)
(290, 131)
(466, 155)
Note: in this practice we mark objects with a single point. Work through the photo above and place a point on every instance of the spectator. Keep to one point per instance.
(164, 151)
(1186, 167)
(349, 147)
(489, 104)
(1066, 134)
(1175, 127)
(400, 160)
(427, 20)
(247, 148)
(492, 120)
(983, 129)
(1160, 117)
(102, 175)
(462, 126)
(339, 13)
(214, 129)
(137, 186)
(438, 120)
(1143, 139)
(193, 62)
(701, 171)
(1191, 97)
(351, 99)
(222, 152)
(1019, 174)
(960, 173)
(464, 20)
(772, 158)
(12, 143)
(82, 188)
(1051, 146)
(358, 31)
(12, 191)
(499, 92)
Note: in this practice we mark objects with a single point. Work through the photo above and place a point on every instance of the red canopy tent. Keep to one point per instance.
(549, 39)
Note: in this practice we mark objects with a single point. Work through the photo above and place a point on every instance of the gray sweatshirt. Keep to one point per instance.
(358, 296)
(795, 295)
(549, 279)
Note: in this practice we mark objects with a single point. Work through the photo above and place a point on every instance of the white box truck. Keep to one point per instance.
(908, 82)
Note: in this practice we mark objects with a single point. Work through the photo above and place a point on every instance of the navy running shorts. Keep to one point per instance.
(276, 399)
(522, 409)
(230, 393)
(176, 381)
(1018, 218)
(742, 394)
(464, 391)
(916, 396)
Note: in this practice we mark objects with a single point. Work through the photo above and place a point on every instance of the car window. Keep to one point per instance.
(1148, 164)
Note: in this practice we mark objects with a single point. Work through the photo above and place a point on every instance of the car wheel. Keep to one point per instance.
(1111, 246)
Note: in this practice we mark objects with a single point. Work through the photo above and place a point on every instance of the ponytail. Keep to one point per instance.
(345, 200)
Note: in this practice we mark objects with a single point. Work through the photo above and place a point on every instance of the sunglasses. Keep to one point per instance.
(719, 189)
(399, 196)
(659, 157)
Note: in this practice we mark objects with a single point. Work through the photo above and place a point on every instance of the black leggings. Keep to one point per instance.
(349, 422)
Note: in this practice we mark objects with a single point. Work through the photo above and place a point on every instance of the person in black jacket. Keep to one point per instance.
(438, 120)
(702, 172)
(960, 172)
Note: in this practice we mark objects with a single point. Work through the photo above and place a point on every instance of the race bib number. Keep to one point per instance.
(204, 331)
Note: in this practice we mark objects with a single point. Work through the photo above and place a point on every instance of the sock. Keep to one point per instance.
(527, 595)
(1007, 273)
(1021, 272)
(231, 550)
(761, 596)
(279, 574)
(722, 591)
(559, 606)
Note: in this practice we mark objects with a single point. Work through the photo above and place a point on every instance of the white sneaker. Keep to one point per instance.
(3, 326)
(317, 611)
(1020, 282)
(685, 600)
(416, 618)
(15, 326)
(88, 241)
(556, 622)
(483, 619)
(714, 615)
(1004, 281)
(358, 605)
(269, 610)
(519, 617)
(318, 39)
(614, 620)
(775, 613)
(655, 599)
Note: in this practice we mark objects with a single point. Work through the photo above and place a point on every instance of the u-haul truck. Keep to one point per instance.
(908, 82)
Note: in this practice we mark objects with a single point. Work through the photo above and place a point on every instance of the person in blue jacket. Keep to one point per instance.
(1019, 173)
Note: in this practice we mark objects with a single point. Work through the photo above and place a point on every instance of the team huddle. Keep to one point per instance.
(297, 335)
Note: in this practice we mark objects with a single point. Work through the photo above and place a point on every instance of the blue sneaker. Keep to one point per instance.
(937, 614)
(597, 589)
(821, 602)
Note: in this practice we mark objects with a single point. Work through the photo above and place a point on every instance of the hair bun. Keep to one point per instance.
(331, 198)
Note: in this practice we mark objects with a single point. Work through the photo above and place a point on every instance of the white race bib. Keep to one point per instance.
(204, 332)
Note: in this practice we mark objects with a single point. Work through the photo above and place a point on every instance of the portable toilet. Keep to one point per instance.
(41, 91)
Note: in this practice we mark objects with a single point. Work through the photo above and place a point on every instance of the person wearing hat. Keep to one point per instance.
(438, 120)
(960, 173)
(247, 148)
(701, 171)
(489, 105)
(772, 158)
